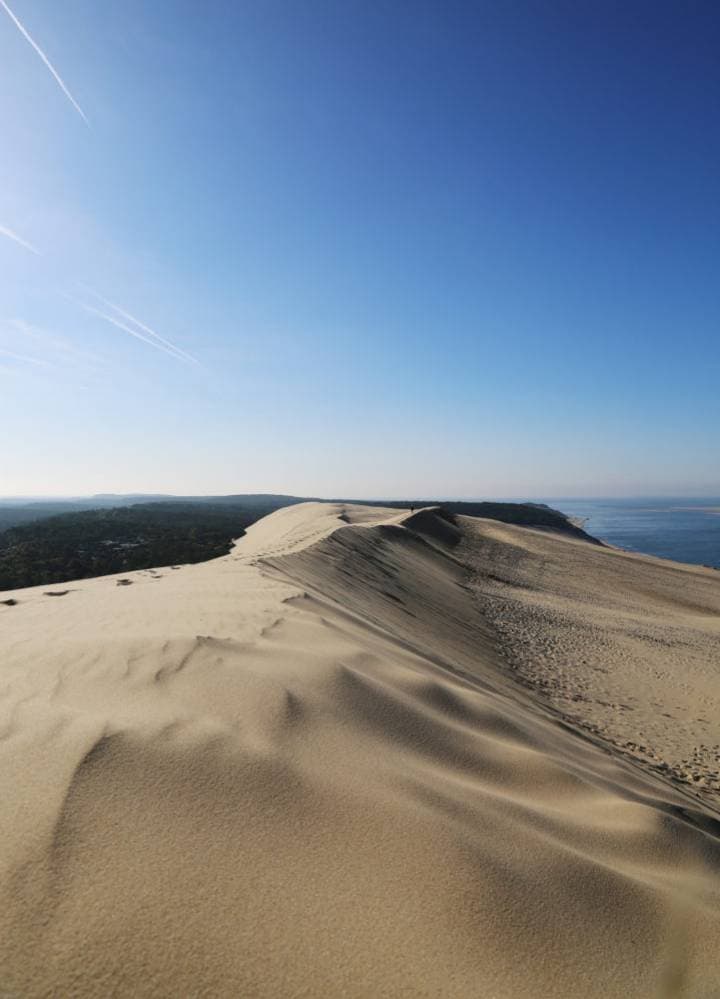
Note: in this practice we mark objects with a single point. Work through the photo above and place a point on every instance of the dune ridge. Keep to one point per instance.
(308, 768)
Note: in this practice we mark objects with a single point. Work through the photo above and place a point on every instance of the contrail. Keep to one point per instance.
(172, 351)
(45, 59)
(146, 329)
(23, 357)
(4, 231)
(53, 342)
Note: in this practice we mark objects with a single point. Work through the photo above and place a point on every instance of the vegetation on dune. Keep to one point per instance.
(100, 542)
(14, 512)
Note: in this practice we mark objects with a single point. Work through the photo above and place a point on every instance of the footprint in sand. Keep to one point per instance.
(9, 603)
(124, 582)
(55, 593)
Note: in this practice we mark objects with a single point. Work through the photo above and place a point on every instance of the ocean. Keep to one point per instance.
(686, 530)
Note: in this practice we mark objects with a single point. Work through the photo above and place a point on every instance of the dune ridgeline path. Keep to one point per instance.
(368, 753)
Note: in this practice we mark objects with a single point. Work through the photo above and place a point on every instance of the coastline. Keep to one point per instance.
(674, 530)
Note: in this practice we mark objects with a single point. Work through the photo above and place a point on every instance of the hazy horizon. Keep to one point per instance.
(457, 249)
(440, 496)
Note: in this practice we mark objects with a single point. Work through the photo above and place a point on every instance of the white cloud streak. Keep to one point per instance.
(156, 338)
(10, 234)
(58, 79)
(23, 357)
(172, 351)
(51, 342)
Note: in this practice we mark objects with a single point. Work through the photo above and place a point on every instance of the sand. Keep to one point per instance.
(368, 753)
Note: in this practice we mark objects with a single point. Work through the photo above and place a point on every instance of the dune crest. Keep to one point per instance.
(308, 768)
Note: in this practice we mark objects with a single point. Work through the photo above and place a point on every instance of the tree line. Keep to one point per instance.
(73, 546)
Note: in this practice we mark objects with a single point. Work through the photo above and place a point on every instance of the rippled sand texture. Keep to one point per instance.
(308, 768)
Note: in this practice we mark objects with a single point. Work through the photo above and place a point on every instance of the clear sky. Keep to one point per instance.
(391, 248)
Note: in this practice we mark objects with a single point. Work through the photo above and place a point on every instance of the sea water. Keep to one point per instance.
(686, 530)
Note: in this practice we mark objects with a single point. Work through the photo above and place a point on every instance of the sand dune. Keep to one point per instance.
(346, 760)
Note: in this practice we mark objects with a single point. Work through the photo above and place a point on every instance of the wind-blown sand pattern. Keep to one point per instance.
(368, 753)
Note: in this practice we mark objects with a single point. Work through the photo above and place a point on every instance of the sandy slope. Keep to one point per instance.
(627, 646)
(307, 768)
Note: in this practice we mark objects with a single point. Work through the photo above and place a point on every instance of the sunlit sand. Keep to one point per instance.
(367, 753)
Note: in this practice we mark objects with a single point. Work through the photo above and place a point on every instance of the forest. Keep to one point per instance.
(78, 545)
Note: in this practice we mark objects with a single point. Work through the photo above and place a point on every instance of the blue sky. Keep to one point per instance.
(440, 249)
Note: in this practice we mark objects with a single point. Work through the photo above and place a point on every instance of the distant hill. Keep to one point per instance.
(524, 514)
(23, 511)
